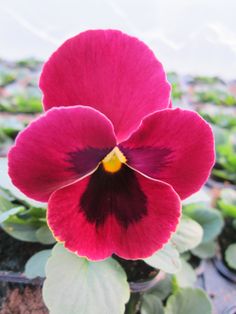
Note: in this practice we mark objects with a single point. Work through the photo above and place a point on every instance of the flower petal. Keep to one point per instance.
(57, 149)
(175, 146)
(110, 71)
(124, 213)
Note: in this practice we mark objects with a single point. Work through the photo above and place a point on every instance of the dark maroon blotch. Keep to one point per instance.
(84, 161)
(150, 160)
(117, 194)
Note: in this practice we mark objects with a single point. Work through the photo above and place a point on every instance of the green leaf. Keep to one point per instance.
(7, 185)
(166, 259)
(5, 204)
(189, 301)
(221, 135)
(210, 219)
(35, 266)
(4, 216)
(163, 288)
(227, 202)
(75, 285)
(188, 235)
(201, 196)
(11, 126)
(186, 276)
(230, 255)
(205, 250)
(151, 304)
(37, 212)
(21, 232)
(186, 256)
(228, 210)
(44, 235)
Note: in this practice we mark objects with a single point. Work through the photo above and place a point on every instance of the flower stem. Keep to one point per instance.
(133, 306)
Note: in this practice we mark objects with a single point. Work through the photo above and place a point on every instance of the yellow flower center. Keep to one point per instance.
(114, 160)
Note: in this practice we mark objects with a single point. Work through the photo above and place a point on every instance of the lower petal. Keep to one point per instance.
(141, 218)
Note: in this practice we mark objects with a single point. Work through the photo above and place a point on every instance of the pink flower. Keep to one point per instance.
(109, 155)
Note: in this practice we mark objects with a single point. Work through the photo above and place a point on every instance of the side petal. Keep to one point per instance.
(175, 146)
(109, 71)
(58, 148)
(128, 215)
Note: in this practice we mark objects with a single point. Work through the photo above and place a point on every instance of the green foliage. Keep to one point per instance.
(207, 80)
(35, 266)
(11, 126)
(166, 259)
(18, 196)
(205, 250)
(28, 63)
(21, 217)
(212, 223)
(186, 276)
(226, 121)
(216, 97)
(210, 219)
(225, 167)
(22, 232)
(7, 78)
(75, 285)
(44, 235)
(151, 304)
(20, 221)
(23, 222)
(22, 102)
(162, 289)
(176, 91)
(230, 255)
(188, 235)
(11, 212)
(188, 301)
(227, 203)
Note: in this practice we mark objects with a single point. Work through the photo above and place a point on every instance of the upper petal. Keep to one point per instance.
(125, 214)
(110, 71)
(175, 146)
(58, 148)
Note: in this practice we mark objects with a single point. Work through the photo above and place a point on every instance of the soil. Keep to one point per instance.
(18, 298)
(14, 253)
(26, 300)
(137, 270)
(227, 237)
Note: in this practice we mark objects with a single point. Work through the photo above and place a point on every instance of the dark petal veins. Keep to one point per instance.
(117, 193)
(84, 161)
(151, 160)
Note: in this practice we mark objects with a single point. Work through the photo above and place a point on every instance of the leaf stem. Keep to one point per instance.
(133, 306)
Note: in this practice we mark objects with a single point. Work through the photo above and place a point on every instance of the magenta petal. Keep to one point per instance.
(175, 146)
(114, 223)
(109, 71)
(57, 149)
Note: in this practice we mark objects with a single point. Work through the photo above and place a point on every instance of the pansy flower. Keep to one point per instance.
(109, 155)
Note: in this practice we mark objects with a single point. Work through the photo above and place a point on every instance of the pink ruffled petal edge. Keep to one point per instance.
(90, 234)
(175, 146)
(106, 69)
(59, 148)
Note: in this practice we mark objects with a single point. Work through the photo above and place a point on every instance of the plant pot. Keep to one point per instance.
(227, 237)
(223, 269)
